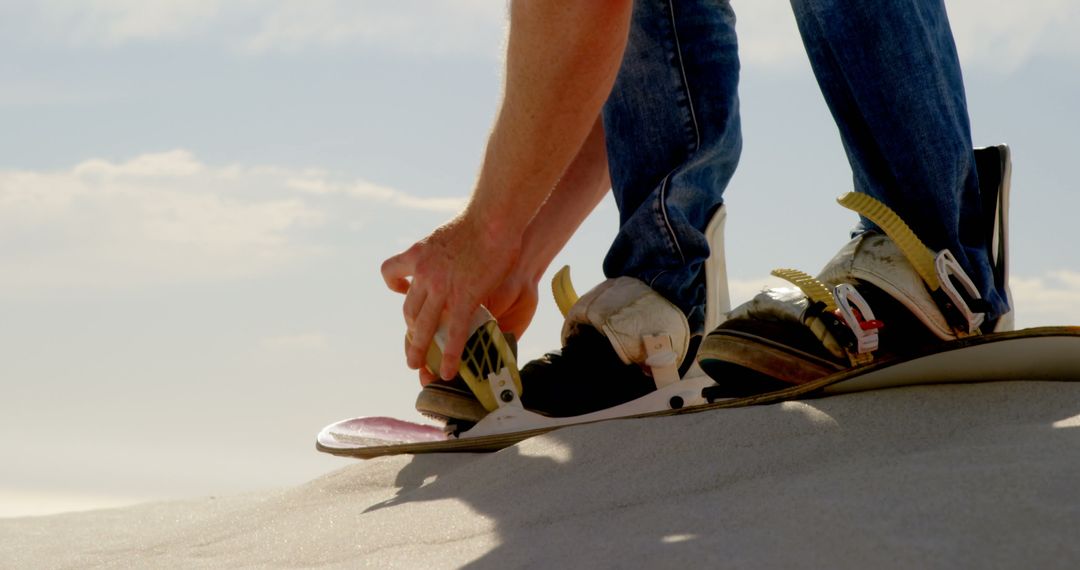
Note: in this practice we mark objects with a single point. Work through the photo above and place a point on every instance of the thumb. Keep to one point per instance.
(397, 269)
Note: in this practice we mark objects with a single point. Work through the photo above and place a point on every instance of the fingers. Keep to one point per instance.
(516, 321)
(396, 269)
(414, 301)
(516, 317)
(423, 329)
(426, 376)
(400, 285)
(457, 332)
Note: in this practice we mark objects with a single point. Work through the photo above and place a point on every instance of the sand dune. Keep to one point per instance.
(962, 476)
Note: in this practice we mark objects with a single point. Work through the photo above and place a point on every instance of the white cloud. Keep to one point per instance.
(317, 183)
(114, 22)
(411, 26)
(157, 217)
(1003, 34)
(174, 163)
(256, 26)
(992, 34)
(167, 217)
(1050, 299)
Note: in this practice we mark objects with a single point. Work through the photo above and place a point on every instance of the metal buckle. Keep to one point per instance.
(854, 311)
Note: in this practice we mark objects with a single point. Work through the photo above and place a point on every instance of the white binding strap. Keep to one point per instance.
(662, 361)
(950, 273)
(855, 312)
(717, 300)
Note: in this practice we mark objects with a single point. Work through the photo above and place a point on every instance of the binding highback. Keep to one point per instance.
(994, 165)
(717, 298)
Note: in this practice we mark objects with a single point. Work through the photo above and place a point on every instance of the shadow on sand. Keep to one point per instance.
(936, 475)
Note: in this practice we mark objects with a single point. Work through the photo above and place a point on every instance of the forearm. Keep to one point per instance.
(562, 59)
(581, 188)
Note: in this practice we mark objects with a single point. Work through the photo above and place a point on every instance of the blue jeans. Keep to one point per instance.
(891, 77)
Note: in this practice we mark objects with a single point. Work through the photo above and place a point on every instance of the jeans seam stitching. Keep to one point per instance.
(682, 73)
(655, 277)
(697, 135)
(667, 221)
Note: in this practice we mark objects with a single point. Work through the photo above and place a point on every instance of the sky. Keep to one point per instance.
(196, 195)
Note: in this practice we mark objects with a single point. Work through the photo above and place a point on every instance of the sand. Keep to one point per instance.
(961, 476)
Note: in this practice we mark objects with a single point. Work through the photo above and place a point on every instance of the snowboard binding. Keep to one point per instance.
(846, 330)
(489, 368)
(826, 325)
(961, 347)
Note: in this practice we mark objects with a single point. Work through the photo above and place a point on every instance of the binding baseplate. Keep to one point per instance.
(490, 369)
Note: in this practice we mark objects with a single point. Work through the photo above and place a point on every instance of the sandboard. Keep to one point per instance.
(1042, 353)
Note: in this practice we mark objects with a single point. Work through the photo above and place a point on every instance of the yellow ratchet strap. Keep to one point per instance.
(815, 290)
(929, 265)
(918, 255)
(563, 289)
(486, 354)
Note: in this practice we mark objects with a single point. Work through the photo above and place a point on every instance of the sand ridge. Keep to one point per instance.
(936, 476)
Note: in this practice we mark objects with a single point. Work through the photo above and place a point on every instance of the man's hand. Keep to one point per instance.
(513, 302)
(562, 58)
(452, 271)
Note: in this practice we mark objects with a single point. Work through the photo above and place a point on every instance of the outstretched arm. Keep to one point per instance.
(580, 189)
(585, 182)
(562, 58)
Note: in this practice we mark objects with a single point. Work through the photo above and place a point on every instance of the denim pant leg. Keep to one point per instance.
(891, 77)
(673, 141)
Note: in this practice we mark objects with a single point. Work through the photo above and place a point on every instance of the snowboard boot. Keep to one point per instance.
(449, 400)
(487, 373)
(884, 296)
(620, 341)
